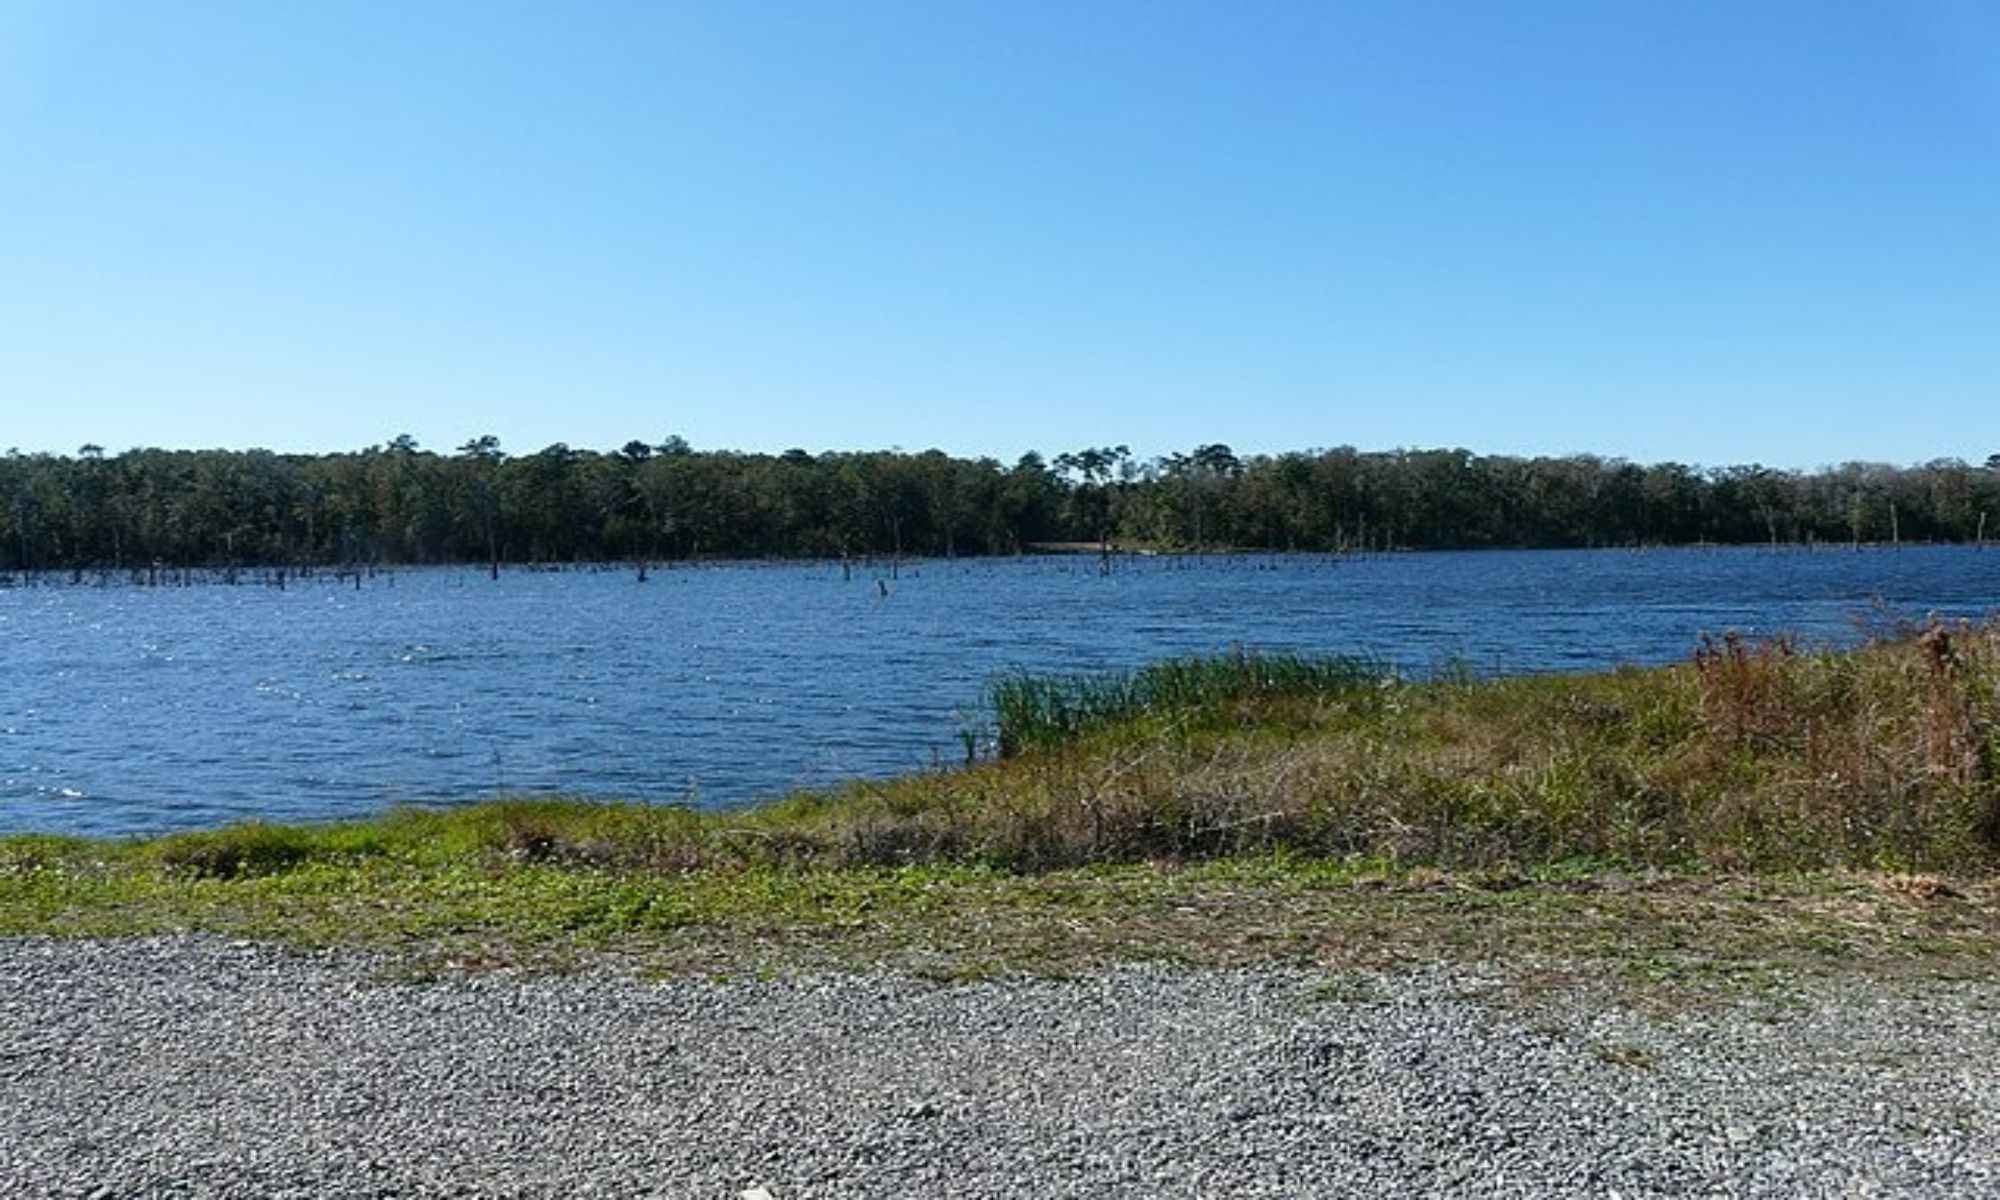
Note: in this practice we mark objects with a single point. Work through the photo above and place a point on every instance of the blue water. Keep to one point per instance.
(129, 710)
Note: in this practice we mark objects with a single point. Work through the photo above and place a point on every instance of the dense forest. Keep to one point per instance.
(400, 503)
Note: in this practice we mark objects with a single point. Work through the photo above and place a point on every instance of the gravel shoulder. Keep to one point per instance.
(197, 1066)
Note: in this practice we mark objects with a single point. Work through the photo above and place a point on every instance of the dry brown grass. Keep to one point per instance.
(1750, 756)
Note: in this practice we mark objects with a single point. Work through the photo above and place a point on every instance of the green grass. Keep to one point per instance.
(1756, 804)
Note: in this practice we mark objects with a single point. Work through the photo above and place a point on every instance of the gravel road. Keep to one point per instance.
(196, 1067)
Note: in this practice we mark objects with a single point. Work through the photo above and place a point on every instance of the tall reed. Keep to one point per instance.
(1041, 711)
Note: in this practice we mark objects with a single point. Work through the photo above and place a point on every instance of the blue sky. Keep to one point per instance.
(1706, 232)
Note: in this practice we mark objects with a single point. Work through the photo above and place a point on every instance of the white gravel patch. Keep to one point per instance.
(197, 1067)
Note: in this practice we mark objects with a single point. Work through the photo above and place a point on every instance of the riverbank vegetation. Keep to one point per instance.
(401, 504)
(1810, 801)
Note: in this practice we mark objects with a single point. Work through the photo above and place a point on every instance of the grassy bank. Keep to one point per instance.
(1761, 797)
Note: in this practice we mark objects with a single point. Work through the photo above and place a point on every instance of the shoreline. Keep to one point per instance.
(1759, 806)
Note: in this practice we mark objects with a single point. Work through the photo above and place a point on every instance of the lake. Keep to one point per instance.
(135, 710)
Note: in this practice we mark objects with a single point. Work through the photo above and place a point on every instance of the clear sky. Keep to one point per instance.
(1711, 232)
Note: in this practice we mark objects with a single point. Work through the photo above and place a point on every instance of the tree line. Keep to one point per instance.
(398, 503)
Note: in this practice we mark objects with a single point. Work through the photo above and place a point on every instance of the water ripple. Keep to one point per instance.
(127, 710)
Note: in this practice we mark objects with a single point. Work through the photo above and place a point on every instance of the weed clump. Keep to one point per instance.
(240, 851)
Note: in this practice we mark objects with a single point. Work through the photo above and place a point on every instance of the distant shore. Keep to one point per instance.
(358, 574)
(402, 504)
